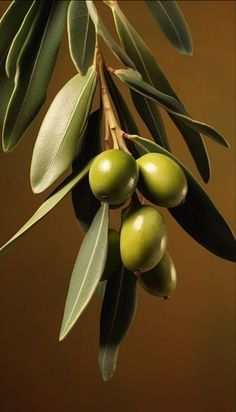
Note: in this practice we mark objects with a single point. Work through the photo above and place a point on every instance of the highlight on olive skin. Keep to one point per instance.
(143, 239)
(113, 176)
(161, 180)
(161, 280)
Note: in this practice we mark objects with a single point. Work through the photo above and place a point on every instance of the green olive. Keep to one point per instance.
(143, 239)
(161, 280)
(161, 180)
(113, 176)
(113, 255)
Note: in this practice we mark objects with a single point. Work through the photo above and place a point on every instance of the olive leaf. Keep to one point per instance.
(118, 310)
(84, 202)
(81, 35)
(20, 38)
(58, 140)
(198, 214)
(6, 88)
(88, 269)
(133, 79)
(48, 205)
(148, 111)
(104, 33)
(101, 289)
(144, 62)
(32, 73)
(10, 23)
(172, 23)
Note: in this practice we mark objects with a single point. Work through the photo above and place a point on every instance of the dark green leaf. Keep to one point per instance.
(172, 23)
(198, 215)
(101, 289)
(33, 74)
(104, 33)
(147, 66)
(10, 23)
(84, 202)
(58, 140)
(20, 38)
(134, 80)
(88, 269)
(48, 205)
(81, 35)
(144, 61)
(6, 88)
(118, 311)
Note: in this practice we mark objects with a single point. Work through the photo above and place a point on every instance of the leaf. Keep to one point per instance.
(117, 314)
(101, 289)
(88, 269)
(104, 33)
(81, 35)
(48, 205)
(10, 23)
(147, 66)
(134, 80)
(198, 214)
(172, 23)
(84, 202)
(57, 143)
(19, 39)
(6, 88)
(32, 74)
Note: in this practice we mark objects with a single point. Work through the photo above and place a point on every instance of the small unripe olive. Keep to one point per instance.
(161, 180)
(113, 176)
(161, 280)
(143, 239)
(113, 255)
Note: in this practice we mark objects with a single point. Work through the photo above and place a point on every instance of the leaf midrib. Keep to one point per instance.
(172, 24)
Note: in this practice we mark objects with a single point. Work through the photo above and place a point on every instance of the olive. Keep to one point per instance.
(113, 176)
(143, 239)
(113, 255)
(161, 280)
(161, 180)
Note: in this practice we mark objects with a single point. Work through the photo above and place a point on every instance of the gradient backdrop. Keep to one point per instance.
(179, 355)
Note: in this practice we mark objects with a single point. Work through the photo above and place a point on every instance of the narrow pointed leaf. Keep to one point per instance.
(81, 35)
(33, 74)
(104, 33)
(118, 310)
(100, 290)
(57, 143)
(147, 66)
(20, 38)
(10, 23)
(172, 23)
(84, 202)
(88, 269)
(6, 88)
(198, 214)
(134, 80)
(47, 206)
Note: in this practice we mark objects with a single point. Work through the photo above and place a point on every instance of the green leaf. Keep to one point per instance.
(57, 143)
(126, 119)
(104, 33)
(134, 80)
(84, 202)
(147, 66)
(198, 214)
(10, 23)
(33, 74)
(6, 88)
(88, 269)
(48, 205)
(81, 35)
(20, 38)
(101, 289)
(117, 314)
(172, 23)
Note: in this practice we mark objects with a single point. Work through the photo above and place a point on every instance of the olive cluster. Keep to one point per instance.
(141, 245)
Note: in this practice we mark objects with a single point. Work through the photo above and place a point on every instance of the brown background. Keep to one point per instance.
(179, 355)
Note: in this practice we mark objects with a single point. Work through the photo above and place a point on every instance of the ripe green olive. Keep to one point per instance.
(161, 280)
(161, 180)
(113, 255)
(113, 176)
(143, 239)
